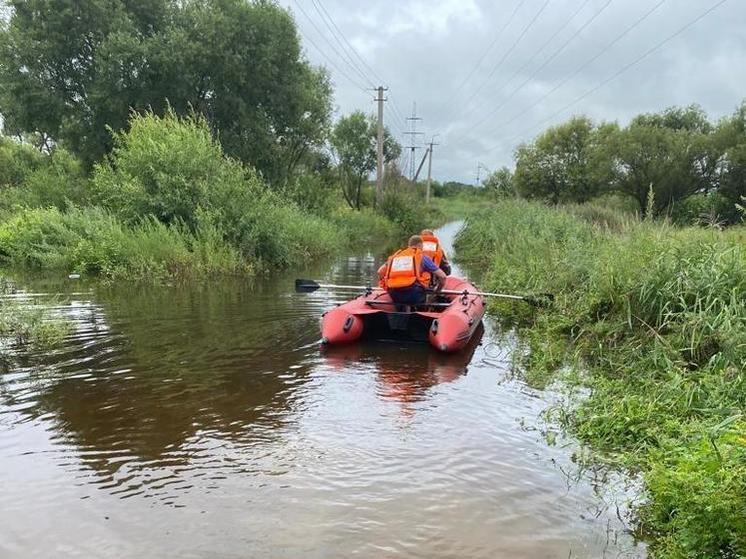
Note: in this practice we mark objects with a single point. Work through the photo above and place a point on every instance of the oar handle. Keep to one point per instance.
(480, 294)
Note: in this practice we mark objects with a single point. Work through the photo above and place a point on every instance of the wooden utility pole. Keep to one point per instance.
(429, 168)
(379, 148)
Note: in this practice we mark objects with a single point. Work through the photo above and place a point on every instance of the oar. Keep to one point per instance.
(309, 286)
(535, 300)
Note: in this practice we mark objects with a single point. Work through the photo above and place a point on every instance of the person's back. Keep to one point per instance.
(431, 247)
(407, 274)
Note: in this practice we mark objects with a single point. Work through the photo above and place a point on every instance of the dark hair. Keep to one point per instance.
(415, 240)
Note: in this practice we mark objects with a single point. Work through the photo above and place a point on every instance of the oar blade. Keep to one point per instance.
(541, 300)
(306, 286)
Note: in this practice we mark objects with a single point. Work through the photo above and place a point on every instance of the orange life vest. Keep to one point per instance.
(404, 269)
(431, 247)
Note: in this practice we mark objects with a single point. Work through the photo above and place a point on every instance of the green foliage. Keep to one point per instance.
(500, 184)
(404, 209)
(565, 163)
(677, 154)
(59, 181)
(364, 228)
(171, 168)
(92, 241)
(354, 141)
(17, 162)
(314, 193)
(655, 317)
(701, 484)
(69, 69)
(711, 209)
(167, 202)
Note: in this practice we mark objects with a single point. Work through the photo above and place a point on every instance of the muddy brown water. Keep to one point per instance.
(204, 421)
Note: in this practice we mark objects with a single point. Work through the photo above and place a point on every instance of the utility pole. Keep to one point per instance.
(379, 151)
(429, 168)
(413, 134)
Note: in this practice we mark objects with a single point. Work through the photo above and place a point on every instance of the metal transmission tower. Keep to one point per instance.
(412, 133)
(481, 167)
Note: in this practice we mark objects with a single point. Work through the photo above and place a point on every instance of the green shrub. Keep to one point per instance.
(313, 193)
(17, 161)
(404, 209)
(705, 209)
(364, 228)
(170, 167)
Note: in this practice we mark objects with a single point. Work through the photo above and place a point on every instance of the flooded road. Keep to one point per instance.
(204, 421)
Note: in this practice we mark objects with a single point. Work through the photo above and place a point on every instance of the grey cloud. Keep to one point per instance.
(425, 49)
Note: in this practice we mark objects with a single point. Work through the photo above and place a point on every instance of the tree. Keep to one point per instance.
(353, 140)
(732, 134)
(658, 159)
(75, 69)
(563, 164)
(500, 184)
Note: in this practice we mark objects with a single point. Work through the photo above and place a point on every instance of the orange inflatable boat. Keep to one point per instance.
(447, 325)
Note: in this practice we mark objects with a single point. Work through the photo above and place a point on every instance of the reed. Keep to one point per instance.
(652, 318)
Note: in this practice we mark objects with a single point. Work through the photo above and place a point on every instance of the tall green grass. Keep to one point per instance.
(92, 241)
(653, 318)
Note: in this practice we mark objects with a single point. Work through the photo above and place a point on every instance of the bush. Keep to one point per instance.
(364, 228)
(705, 209)
(17, 161)
(404, 209)
(171, 168)
(313, 193)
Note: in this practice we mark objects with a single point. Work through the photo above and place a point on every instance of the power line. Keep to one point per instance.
(554, 55)
(339, 36)
(347, 57)
(545, 63)
(622, 69)
(585, 64)
(507, 53)
(357, 84)
(484, 54)
(352, 48)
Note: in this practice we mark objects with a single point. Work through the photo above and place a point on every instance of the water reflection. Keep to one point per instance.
(405, 373)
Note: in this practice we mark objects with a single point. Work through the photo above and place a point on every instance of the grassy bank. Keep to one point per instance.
(652, 319)
(168, 203)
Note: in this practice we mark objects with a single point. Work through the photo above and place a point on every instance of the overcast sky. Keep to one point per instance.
(486, 75)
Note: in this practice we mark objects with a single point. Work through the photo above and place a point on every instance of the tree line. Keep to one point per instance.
(676, 162)
(73, 72)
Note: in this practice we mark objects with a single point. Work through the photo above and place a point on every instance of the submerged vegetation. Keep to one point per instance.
(652, 319)
(27, 326)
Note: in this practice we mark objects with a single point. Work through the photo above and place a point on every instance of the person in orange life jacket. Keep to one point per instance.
(407, 274)
(432, 248)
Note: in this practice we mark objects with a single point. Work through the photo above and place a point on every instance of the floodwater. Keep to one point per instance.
(205, 421)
